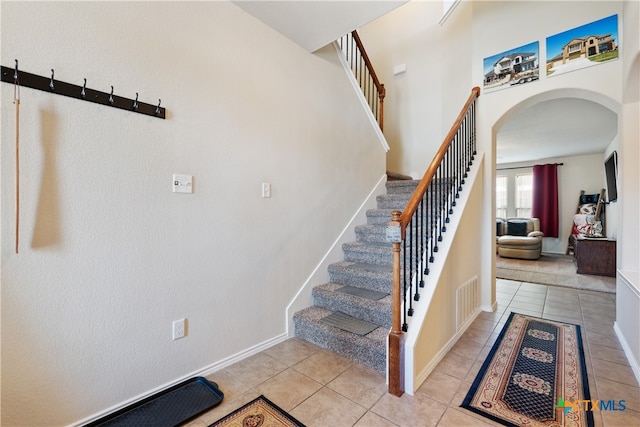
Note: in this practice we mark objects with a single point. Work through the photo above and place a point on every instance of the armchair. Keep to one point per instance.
(519, 238)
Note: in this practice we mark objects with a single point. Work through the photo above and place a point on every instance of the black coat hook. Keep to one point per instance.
(48, 83)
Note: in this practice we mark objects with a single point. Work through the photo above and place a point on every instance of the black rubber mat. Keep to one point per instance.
(349, 323)
(362, 292)
(169, 408)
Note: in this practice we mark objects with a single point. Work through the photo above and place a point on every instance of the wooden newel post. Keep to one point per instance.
(396, 336)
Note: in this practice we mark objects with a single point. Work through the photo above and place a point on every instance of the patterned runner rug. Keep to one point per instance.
(535, 366)
(259, 412)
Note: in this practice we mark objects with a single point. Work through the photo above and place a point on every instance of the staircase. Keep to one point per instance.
(351, 315)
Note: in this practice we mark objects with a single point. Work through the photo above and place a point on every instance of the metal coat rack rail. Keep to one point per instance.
(49, 84)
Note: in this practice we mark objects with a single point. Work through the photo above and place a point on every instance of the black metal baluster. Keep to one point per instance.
(404, 286)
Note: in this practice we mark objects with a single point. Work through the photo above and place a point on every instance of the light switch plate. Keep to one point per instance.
(182, 183)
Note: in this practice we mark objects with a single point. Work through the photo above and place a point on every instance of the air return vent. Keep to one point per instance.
(468, 301)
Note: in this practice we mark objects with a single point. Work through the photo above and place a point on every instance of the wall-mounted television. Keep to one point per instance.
(611, 171)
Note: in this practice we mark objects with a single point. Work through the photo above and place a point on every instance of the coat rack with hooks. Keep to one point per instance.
(51, 85)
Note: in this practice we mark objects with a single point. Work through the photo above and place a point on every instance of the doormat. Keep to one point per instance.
(533, 375)
(259, 412)
(169, 408)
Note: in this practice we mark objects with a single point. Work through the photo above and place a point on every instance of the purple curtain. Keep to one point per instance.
(545, 198)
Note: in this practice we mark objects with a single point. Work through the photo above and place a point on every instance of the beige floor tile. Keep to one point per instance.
(328, 408)
(484, 325)
(292, 351)
(533, 287)
(602, 328)
(373, 420)
(566, 317)
(609, 354)
(454, 365)
(526, 311)
(527, 306)
(614, 372)
(478, 335)
(323, 366)
(467, 348)
(278, 389)
(256, 369)
(532, 297)
(626, 418)
(612, 390)
(560, 310)
(441, 387)
(475, 369)
(407, 409)
(361, 384)
(609, 340)
(460, 417)
(231, 386)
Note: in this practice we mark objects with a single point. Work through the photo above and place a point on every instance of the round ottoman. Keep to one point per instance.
(521, 247)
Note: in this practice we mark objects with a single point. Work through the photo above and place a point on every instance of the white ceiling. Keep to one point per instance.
(314, 24)
(556, 128)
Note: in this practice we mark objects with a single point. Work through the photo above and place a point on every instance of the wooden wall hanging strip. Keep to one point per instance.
(16, 101)
(49, 84)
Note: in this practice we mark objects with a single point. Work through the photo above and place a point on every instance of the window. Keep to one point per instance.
(501, 196)
(524, 195)
(574, 48)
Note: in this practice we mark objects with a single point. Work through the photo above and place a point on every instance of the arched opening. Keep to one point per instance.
(575, 127)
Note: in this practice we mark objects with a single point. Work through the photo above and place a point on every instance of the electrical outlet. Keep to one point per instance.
(179, 328)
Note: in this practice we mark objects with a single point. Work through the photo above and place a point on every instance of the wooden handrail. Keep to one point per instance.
(379, 86)
(396, 231)
(367, 61)
(411, 207)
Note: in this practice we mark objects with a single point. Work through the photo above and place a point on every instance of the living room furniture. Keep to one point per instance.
(590, 209)
(595, 255)
(519, 238)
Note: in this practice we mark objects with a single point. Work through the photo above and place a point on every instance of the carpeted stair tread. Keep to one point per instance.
(348, 323)
(336, 297)
(374, 253)
(393, 201)
(362, 293)
(371, 276)
(369, 350)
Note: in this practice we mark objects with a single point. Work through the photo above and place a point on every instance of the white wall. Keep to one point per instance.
(109, 256)
(422, 102)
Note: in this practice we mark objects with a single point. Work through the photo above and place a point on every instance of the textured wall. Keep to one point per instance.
(109, 255)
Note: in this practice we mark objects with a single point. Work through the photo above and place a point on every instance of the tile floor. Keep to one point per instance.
(320, 388)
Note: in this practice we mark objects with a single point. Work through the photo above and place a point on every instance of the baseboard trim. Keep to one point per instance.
(433, 363)
(203, 372)
(627, 352)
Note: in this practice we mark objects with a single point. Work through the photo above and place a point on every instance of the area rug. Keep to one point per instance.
(552, 269)
(534, 375)
(259, 412)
